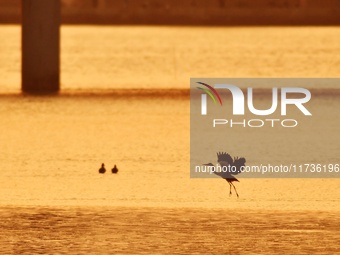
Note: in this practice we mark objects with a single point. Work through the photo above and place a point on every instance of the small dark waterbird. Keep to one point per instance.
(233, 167)
(102, 170)
(114, 170)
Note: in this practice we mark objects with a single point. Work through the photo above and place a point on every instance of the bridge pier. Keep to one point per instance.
(40, 69)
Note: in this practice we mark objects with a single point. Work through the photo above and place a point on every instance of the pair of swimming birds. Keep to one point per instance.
(225, 160)
(102, 170)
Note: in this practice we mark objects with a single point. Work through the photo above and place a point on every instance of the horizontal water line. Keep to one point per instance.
(153, 92)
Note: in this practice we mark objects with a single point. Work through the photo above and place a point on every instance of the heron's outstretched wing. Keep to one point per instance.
(224, 159)
(238, 163)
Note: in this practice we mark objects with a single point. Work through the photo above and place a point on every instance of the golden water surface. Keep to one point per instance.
(52, 199)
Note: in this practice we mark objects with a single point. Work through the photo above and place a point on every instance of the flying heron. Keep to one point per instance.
(102, 170)
(229, 168)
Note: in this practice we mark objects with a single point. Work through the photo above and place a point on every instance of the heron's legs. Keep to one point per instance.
(229, 189)
(234, 189)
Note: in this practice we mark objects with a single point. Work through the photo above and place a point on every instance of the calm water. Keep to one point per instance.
(166, 57)
(167, 231)
(52, 148)
(52, 200)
